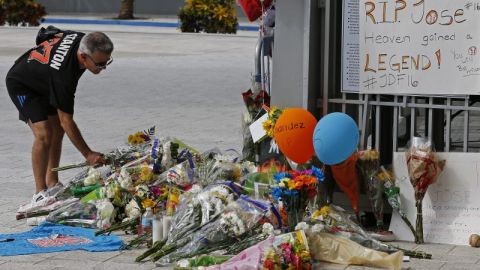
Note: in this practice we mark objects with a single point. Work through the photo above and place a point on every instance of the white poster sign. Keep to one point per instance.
(451, 207)
(420, 47)
(350, 47)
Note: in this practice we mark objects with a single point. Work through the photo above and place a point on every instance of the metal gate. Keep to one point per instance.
(451, 122)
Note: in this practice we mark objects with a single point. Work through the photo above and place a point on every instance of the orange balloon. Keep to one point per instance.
(294, 132)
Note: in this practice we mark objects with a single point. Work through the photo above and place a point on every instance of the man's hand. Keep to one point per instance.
(95, 158)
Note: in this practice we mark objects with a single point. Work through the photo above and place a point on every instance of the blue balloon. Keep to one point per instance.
(335, 138)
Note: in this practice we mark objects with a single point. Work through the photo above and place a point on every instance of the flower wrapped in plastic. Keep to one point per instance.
(392, 192)
(285, 251)
(296, 189)
(198, 208)
(424, 169)
(369, 164)
(290, 251)
(235, 221)
(77, 214)
(253, 102)
(182, 174)
(334, 220)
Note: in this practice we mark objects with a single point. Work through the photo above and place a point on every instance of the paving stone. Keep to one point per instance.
(465, 251)
(29, 266)
(471, 259)
(437, 250)
(420, 264)
(34, 258)
(73, 263)
(85, 255)
(116, 265)
(460, 266)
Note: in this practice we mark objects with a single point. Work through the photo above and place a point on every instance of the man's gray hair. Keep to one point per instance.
(96, 41)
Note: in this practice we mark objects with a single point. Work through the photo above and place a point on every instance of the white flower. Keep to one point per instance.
(110, 191)
(132, 210)
(92, 178)
(302, 226)
(141, 191)
(124, 179)
(268, 229)
(105, 211)
(195, 189)
(167, 155)
(232, 223)
(317, 228)
(183, 263)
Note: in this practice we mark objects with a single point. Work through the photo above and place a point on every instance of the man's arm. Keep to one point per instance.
(73, 133)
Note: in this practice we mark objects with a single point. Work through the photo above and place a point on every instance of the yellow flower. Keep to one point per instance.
(220, 12)
(385, 176)
(291, 184)
(201, 6)
(323, 212)
(146, 174)
(272, 111)
(148, 203)
(269, 127)
(136, 138)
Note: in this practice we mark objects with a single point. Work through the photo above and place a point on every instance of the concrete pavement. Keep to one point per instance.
(188, 85)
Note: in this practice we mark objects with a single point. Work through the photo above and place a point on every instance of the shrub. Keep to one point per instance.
(210, 16)
(23, 12)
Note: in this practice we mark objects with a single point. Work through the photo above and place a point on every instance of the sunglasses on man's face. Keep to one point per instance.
(101, 65)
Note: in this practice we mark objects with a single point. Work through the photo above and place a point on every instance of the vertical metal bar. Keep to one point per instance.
(448, 114)
(430, 119)
(413, 121)
(360, 108)
(344, 103)
(377, 124)
(262, 54)
(365, 121)
(465, 126)
(326, 54)
(268, 76)
(395, 125)
(258, 63)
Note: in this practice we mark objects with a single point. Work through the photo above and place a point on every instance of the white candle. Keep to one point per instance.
(157, 232)
(167, 223)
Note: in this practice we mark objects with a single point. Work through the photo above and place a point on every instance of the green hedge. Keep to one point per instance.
(21, 12)
(210, 16)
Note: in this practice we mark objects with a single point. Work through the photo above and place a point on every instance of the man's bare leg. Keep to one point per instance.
(40, 152)
(55, 151)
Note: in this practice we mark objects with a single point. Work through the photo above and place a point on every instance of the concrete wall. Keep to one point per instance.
(146, 7)
(290, 56)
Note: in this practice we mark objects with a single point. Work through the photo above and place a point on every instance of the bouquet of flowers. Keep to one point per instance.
(296, 189)
(235, 221)
(392, 193)
(369, 164)
(289, 251)
(334, 220)
(253, 103)
(423, 170)
(97, 214)
(198, 208)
